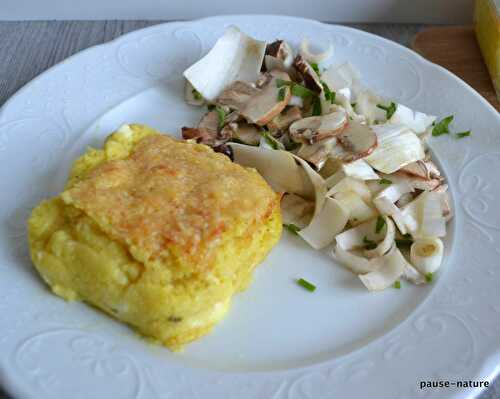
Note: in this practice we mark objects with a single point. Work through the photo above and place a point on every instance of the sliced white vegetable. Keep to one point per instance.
(433, 223)
(297, 101)
(397, 146)
(354, 237)
(314, 57)
(348, 184)
(326, 224)
(359, 211)
(386, 275)
(296, 210)
(413, 275)
(385, 245)
(427, 254)
(278, 168)
(366, 105)
(357, 170)
(235, 56)
(342, 76)
(415, 120)
(355, 263)
(384, 202)
(190, 97)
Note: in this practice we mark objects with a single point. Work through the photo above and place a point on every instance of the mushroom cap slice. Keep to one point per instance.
(209, 121)
(245, 133)
(235, 56)
(279, 55)
(316, 128)
(237, 95)
(262, 107)
(317, 153)
(310, 77)
(285, 119)
(358, 140)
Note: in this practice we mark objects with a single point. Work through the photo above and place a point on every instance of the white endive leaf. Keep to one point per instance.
(432, 222)
(348, 184)
(397, 146)
(413, 275)
(235, 56)
(386, 244)
(309, 56)
(278, 168)
(355, 237)
(384, 202)
(325, 225)
(386, 275)
(355, 263)
(415, 120)
(366, 105)
(359, 211)
(342, 76)
(357, 170)
(296, 210)
(427, 254)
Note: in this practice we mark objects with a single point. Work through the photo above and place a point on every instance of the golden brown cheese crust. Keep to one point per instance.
(170, 194)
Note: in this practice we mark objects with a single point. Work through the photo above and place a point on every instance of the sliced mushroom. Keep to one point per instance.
(417, 183)
(209, 121)
(285, 119)
(237, 95)
(317, 153)
(192, 96)
(358, 140)
(315, 128)
(207, 131)
(310, 77)
(279, 55)
(262, 107)
(244, 132)
(425, 169)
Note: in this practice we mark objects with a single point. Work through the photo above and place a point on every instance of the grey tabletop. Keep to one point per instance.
(29, 48)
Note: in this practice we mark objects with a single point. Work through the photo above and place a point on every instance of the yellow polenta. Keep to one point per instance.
(157, 232)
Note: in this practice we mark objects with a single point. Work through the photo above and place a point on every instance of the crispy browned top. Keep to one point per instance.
(172, 196)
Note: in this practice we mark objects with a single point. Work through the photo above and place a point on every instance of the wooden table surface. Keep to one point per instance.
(29, 48)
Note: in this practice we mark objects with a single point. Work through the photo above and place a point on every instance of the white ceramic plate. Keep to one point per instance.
(278, 341)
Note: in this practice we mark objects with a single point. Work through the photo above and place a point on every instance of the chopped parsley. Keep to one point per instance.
(316, 109)
(442, 127)
(428, 277)
(292, 228)
(461, 135)
(369, 244)
(389, 109)
(385, 181)
(380, 224)
(282, 93)
(315, 67)
(301, 91)
(353, 105)
(329, 95)
(397, 284)
(221, 114)
(306, 284)
(270, 140)
(196, 94)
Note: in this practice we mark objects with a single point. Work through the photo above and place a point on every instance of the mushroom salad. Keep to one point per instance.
(354, 168)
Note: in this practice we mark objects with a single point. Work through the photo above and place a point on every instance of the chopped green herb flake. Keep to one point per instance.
(461, 135)
(316, 110)
(270, 140)
(292, 228)
(385, 181)
(282, 93)
(397, 284)
(380, 224)
(329, 95)
(196, 95)
(369, 244)
(442, 127)
(301, 91)
(222, 116)
(315, 67)
(353, 105)
(389, 109)
(281, 83)
(429, 277)
(306, 284)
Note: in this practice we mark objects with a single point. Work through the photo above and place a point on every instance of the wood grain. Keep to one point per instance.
(456, 49)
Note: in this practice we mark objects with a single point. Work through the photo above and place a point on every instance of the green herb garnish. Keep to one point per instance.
(369, 244)
(397, 284)
(442, 127)
(461, 135)
(282, 82)
(292, 228)
(315, 67)
(316, 109)
(196, 95)
(428, 277)
(385, 181)
(301, 91)
(380, 224)
(329, 95)
(306, 284)
(353, 105)
(282, 93)
(389, 110)
(270, 140)
(221, 114)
